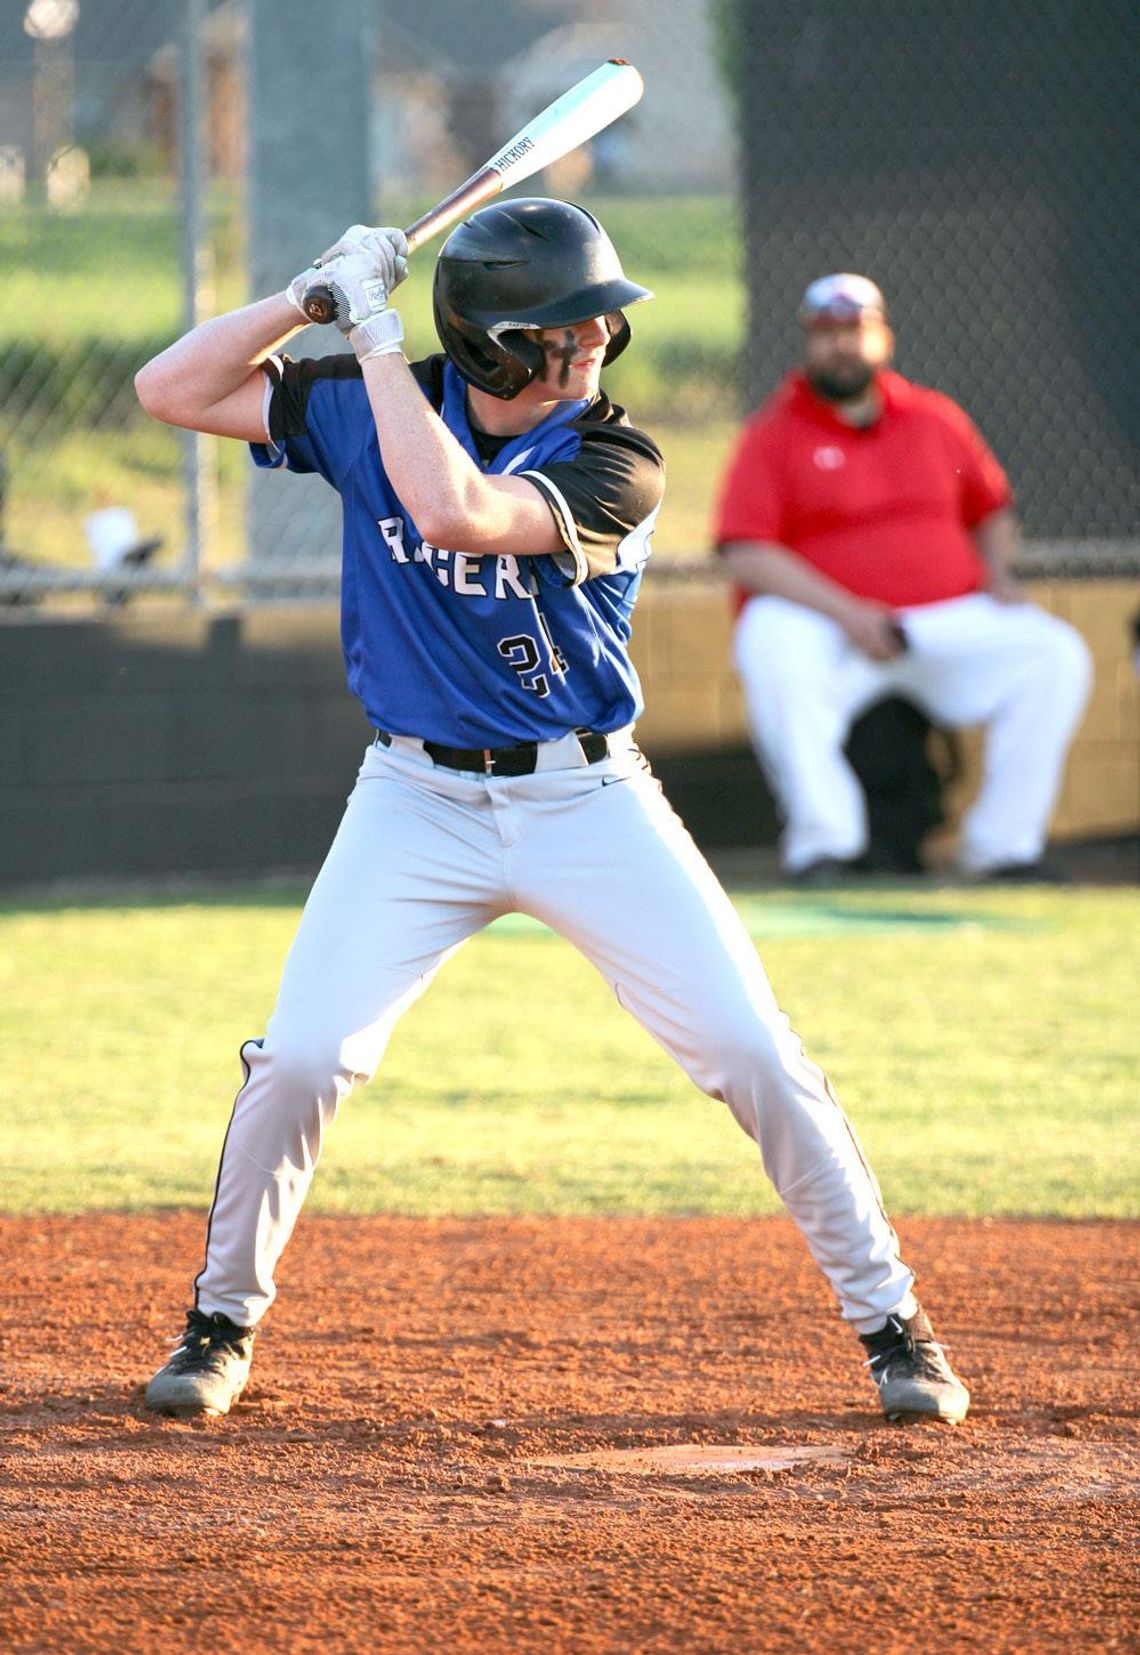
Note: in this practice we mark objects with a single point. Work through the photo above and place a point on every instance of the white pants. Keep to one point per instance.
(424, 858)
(1012, 667)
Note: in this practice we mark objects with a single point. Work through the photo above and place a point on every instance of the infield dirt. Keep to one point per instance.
(457, 1438)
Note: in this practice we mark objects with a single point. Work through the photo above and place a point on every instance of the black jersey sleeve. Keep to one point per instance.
(290, 385)
(317, 415)
(605, 499)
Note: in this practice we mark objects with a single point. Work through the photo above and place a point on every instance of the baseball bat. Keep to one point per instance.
(570, 120)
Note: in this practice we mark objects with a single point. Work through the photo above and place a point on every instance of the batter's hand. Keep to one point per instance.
(357, 282)
(387, 244)
(875, 631)
(358, 288)
(299, 286)
(386, 248)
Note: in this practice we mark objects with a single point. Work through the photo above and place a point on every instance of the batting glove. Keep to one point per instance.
(361, 298)
(300, 285)
(386, 247)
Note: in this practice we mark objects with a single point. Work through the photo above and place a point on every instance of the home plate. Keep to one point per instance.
(693, 1458)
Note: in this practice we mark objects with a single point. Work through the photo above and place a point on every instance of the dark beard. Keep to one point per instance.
(853, 384)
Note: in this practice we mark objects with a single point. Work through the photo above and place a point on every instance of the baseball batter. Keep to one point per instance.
(498, 511)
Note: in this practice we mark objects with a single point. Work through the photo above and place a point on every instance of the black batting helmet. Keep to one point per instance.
(526, 263)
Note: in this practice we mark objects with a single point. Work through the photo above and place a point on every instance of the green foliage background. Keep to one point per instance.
(92, 294)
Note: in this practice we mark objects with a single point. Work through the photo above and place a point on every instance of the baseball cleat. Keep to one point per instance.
(208, 1371)
(910, 1368)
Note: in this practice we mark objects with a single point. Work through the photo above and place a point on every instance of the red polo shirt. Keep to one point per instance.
(885, 510)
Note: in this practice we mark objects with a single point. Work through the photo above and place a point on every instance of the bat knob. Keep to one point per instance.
(319, 304)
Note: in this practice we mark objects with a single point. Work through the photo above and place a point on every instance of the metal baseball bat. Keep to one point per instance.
(569, 121)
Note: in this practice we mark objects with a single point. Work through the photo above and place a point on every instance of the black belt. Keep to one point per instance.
(519, 760)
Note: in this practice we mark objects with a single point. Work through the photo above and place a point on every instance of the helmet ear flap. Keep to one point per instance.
(500, 364)
(526, 352)
(620, 335)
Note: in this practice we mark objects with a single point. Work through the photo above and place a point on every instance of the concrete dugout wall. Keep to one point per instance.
(164, 743)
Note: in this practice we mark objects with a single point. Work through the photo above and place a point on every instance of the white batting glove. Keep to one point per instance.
(358, 287)
(387, 244)
(380, 335)
(300, 285)
(386, 247)
(352, 241)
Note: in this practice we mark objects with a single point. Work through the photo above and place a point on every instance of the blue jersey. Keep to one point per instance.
(492, 650)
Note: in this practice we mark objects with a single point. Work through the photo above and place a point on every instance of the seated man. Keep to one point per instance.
(871, 533)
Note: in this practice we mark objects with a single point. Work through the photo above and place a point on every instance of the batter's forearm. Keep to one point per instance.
(451, 501)
(425, 464)
(210, 380)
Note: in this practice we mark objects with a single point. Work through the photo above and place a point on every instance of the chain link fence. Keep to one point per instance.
(101, 196)
(979, 163)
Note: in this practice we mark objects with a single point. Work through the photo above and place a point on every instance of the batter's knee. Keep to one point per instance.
(742, 1063)
(784, 1102)
(307, 1070)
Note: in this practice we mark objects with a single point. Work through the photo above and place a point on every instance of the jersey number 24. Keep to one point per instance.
(523, 653)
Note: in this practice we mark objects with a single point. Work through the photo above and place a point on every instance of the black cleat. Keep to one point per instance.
(208, 1371)
(914, 1378)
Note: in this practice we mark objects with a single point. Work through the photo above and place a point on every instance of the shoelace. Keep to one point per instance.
(199, 1342)
(927, 1355)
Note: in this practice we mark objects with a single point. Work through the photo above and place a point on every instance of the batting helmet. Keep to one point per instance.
(527, 263)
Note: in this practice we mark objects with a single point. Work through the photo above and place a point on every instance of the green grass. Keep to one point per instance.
(108, 270)
(985, 1044)
(92, 293)
(111, 269)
